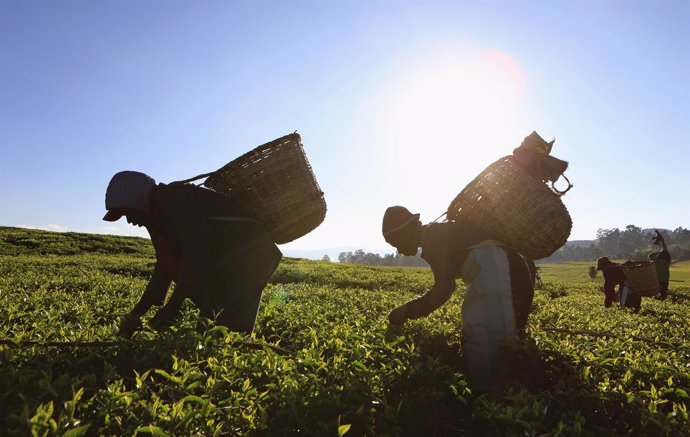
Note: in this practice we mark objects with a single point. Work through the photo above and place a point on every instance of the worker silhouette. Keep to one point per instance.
(217, 253)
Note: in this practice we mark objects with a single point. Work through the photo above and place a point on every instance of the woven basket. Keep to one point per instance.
(641, 276)
(276, 183)
(516, 208)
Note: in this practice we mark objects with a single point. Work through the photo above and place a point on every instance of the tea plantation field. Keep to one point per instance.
(323, 360)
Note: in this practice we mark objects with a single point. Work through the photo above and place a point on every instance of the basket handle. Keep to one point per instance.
(559, 192)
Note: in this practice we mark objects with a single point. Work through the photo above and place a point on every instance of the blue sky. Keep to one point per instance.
(397, 102)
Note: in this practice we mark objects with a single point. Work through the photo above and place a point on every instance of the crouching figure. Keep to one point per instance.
(218, 254)
(500, 288)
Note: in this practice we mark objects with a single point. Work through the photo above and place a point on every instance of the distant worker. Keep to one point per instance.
(219, 256)
(500, 288)
(662, 262)
(615, 277)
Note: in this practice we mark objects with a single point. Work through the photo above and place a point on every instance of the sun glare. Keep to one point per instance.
(447, 118)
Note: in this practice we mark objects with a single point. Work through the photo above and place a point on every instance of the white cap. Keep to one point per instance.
(127, 190)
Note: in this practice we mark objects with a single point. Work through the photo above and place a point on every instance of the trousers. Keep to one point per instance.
(498, 298)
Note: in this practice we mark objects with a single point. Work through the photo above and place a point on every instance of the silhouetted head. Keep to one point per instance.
(603, 262)
(128, 194)
(402, 230)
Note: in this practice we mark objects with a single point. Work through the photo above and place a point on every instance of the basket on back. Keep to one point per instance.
(642, 277)
(276, 183)
(516, 207)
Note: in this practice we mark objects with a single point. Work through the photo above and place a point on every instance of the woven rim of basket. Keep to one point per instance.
(516, 208)
(259, 179)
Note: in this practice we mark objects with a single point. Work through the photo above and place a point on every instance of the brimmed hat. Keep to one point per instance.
(127, 190)
(396, 218)
(603, 261)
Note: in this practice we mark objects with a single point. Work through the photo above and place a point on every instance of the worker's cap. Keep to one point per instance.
(602, 261)
(395, 219)
(127, 190)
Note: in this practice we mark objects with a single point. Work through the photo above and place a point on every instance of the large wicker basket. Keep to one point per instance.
(276, 183)
(641, 276)
(516, 208)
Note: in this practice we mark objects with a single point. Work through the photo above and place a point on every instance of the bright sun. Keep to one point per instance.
(447, 118)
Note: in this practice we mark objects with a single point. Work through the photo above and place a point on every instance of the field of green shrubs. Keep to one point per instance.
(323, 360)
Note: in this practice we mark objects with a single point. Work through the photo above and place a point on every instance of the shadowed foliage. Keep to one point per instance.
(581, 369)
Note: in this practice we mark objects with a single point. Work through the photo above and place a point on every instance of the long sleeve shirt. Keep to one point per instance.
(200, 235)
(662, 263)
(445, 247)
(613, 276)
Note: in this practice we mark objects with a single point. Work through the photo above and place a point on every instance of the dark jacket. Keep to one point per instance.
(209, 245)
(445, 247)
(613, 277)
(662, 262)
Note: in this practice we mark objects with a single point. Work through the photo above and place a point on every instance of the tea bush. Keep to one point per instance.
(323, 359)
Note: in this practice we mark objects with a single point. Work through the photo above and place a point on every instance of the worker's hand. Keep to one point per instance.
(129, 324)
(161, 321)
(398, 316)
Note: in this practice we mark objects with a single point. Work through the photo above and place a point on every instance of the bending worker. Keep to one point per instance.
(615, 277)
(662, 263)
(500, 288)
(219, 256)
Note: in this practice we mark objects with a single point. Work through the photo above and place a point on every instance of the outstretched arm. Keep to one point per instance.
(169, 313)
(662, 242)
(154, 294)
(155, 291)
(659, 241)
(425, 304)
(194, 266)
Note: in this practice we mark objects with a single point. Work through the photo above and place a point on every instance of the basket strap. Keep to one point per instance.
(437, 219)
(194, 178)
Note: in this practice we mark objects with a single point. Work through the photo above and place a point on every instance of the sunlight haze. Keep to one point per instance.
(397, 103)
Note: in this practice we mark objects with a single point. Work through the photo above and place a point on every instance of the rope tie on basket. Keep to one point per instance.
(559, 192)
